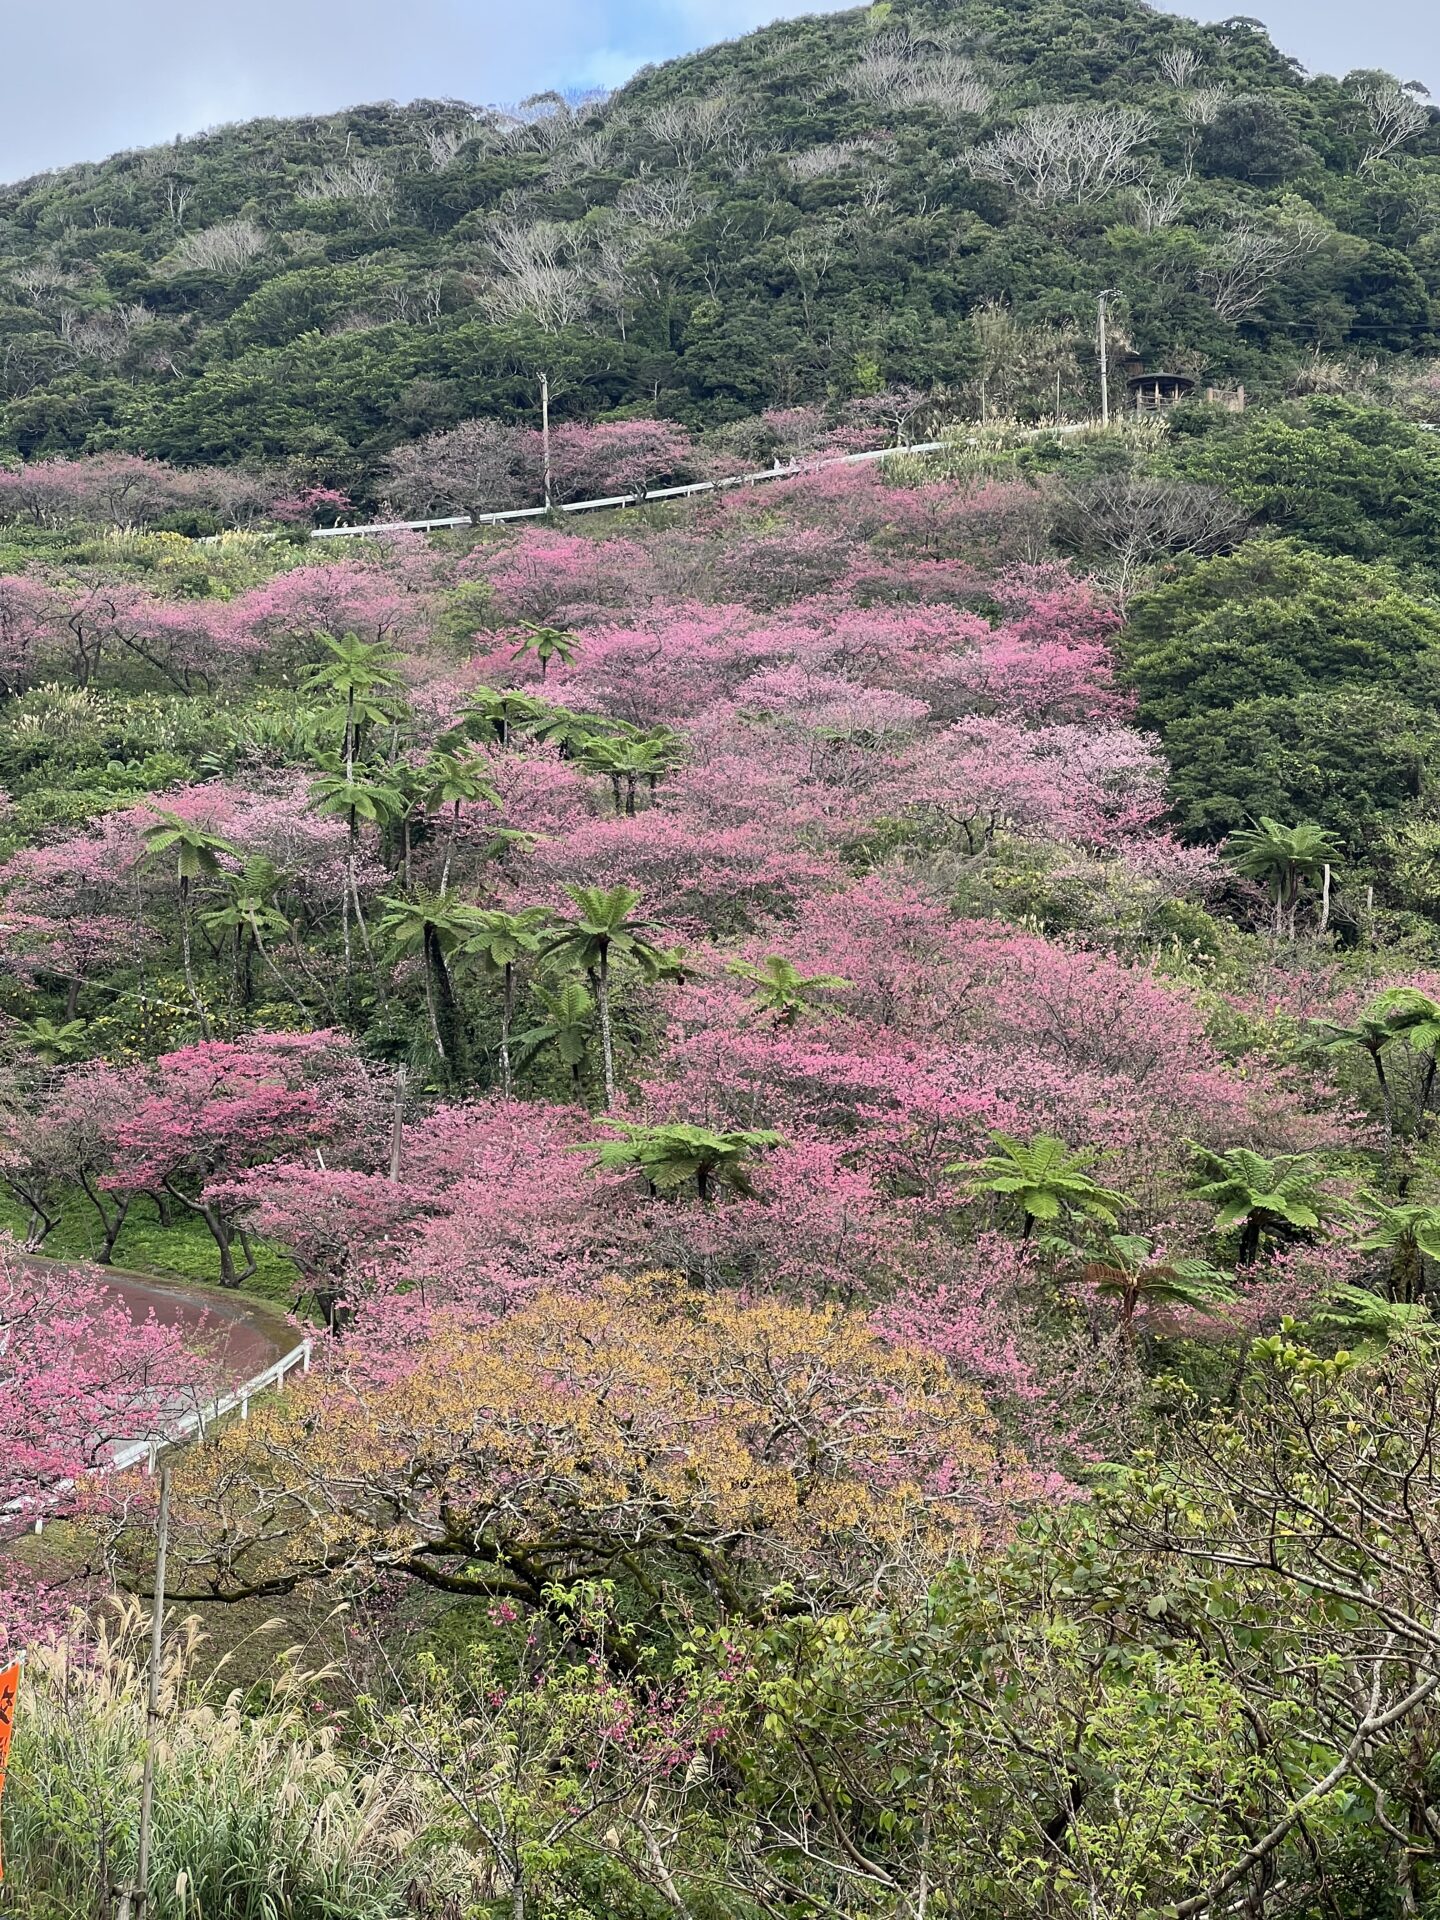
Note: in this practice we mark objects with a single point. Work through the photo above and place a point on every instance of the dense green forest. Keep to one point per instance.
(916, 192)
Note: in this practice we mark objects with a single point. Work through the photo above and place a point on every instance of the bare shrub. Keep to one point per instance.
(219, 249)
(363, 180)
(1128, 521)
(478, 466)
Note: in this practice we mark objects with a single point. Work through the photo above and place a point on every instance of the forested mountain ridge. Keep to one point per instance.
(929, 193)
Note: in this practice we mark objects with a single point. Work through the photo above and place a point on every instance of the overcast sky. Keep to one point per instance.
(105, 74)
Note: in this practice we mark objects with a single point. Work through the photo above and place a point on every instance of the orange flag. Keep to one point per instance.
(9, 1688)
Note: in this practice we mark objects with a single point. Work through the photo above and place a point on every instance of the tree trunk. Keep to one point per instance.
(350, 842)
(185, 959)
(42, 1221)
(601, 982)
(507, 1011)
(110, 1223)
(1386, 1103)
(430, 999)
(221, 1233)
(326, 998)
(353, 874)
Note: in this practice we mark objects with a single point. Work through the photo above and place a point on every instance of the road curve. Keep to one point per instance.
(249, 1335)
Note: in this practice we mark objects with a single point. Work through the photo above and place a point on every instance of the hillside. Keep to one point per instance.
(841, 1075)
(922, 193)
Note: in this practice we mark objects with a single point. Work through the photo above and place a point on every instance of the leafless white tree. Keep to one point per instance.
(612, 250)
(441, 143)
(1247, 261)
(219, 249)
(1066, 152)
(835, 157)
(1394, 114)
(151, 163)
(896, 70)
(690, 128)
(657, 203)
(881, 67)
(363, 179)
(549, 120)
(417, 306)
(1179, 65)
(538, 275)
(41, 283)
(177, 199)
(103, 336)
(951, 84)
(874, 193)
(1157, 204)
(810, 253)
(1201, 105)
(741, 155)
(588, 153)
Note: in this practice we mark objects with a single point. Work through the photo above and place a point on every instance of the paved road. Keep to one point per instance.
(249, 1334)
(246, 1336)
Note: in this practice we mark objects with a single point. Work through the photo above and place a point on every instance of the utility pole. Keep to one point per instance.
(397, 1121)
(1102, 305)
(545, 432)
(133, 1899)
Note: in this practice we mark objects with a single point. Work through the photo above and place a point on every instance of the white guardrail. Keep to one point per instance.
(183, 1427)
(626, 499)
(147, 1451)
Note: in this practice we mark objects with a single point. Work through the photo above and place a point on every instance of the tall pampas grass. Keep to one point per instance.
(260, 1814)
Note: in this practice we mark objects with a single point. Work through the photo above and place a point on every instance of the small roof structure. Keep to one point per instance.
(1151, 390)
